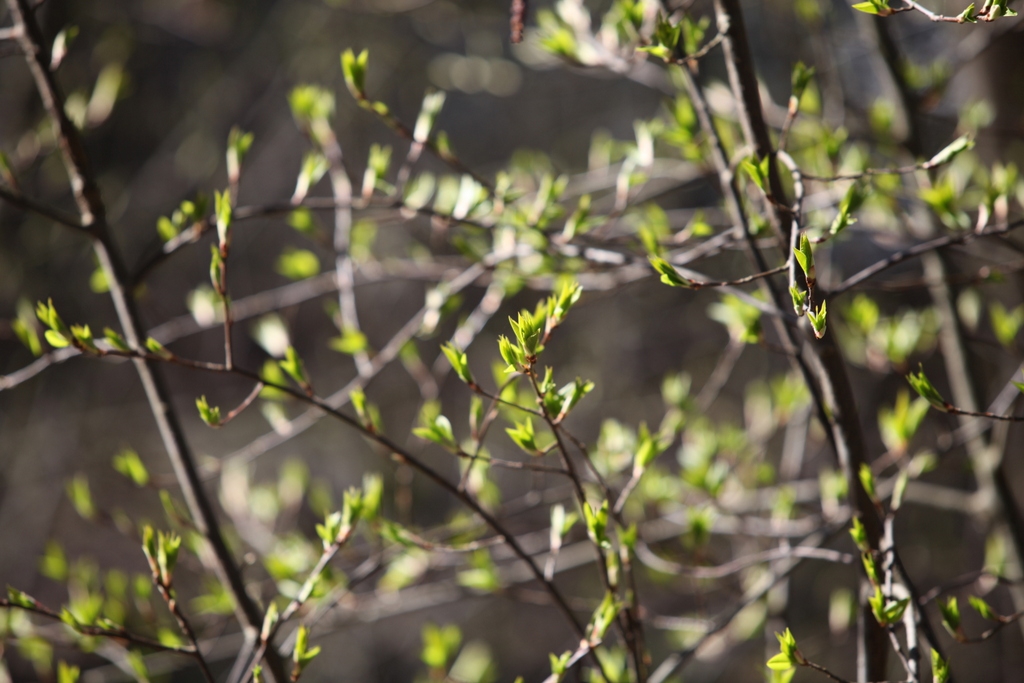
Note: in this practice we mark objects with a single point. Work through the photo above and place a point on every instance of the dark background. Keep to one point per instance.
(195, 68)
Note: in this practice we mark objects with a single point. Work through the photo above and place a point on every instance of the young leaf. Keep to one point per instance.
(302, 655)
(983, 608)
(222, 208)
(129, 464)
(294, 366)
(805, 258)
(867, 480)
(238, 146)
(962, 143)
(940, 667)
(669, 275)
(924, 388)
(878, 7)
(459, 362)
(950, 615)
(210, 414)
(353, 67)
(818, 322)
(597, 523)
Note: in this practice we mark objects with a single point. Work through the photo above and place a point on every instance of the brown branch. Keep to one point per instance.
(98, 631)
(739, 63)
(22, 202)
(517, 20)
(648, 557)
(37, 366)
(821, 364)
(93, 220)
(167, 593)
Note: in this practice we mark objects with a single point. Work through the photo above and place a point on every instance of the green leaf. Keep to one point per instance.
(559, 664)
(354, 69)
(894, 611)
(429, 110)
(851, 202)
(115, 339)
(1006, 324)
(757, 170)
(781, 662)
(54, 563)
(314, 166)
(799, 298)
(940, 667)
(799, 80)
(129, 464)
(209, 414)
(669, 275)
(983, 608)
(351, 342)
(460, 364)
(879, 7)
(156, 348)
(222, 204)
(558, 306)
(47, 314)
(870, 567)
(302, 655)
(239, 144)
(294, 366)
(82, 336)
(440, 644)
(818, 320)
(25, 329)
(603, 617)
(67, 673)
(648, 448)
(962, 143)
(867, 480)
(805, 258)
(742, 319)
(56, 339)
(302, 220)
(269, 621)
(21, 599)
(511, 354)
(924, 388)
(859, 535)
(297, 264)
(789, 656)
(310, 103)
(523, 436)
(529, 330)
(483, 576)
(439, 431)
(968, 17)
(950, 615)
(168, 545)
(81, 497)
(597, 523)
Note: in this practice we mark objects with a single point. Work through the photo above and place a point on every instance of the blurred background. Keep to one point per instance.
(157, 85)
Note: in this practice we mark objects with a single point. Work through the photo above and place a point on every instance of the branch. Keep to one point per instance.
(918, 250)
(22, 202)
(93, 219)
(98, 631)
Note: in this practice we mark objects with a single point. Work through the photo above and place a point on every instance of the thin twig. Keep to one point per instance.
(917, 250)
(22, 202)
